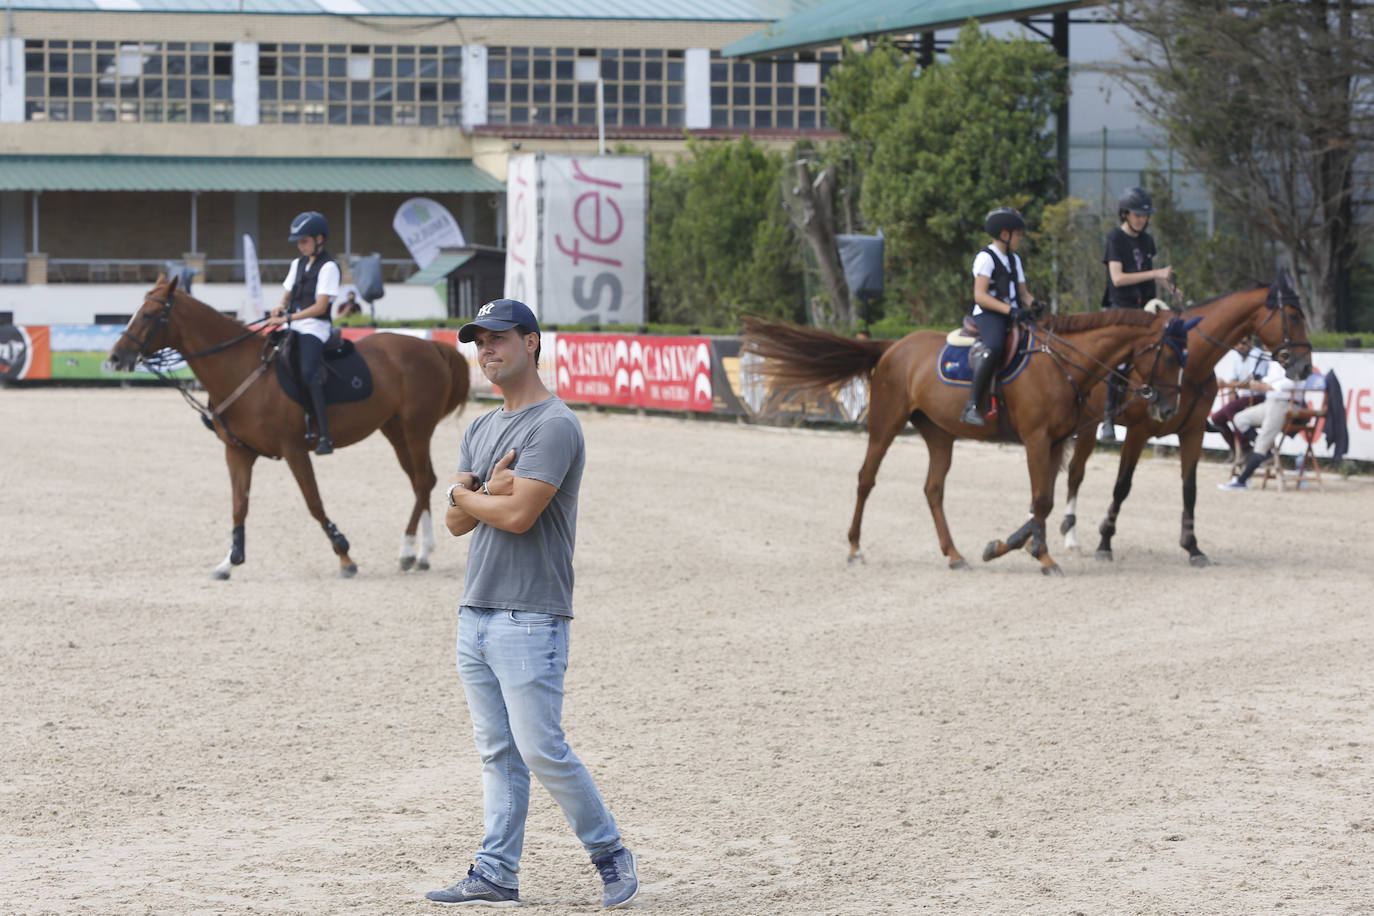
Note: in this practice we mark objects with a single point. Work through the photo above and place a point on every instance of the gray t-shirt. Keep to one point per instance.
(531, 571)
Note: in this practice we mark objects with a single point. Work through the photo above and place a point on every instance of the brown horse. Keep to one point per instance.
(416, 383)
(1041, 407)
(1275, 314)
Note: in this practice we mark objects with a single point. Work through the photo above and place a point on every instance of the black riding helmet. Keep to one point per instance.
(308, 225)
(1135, 200)
(1003, 219)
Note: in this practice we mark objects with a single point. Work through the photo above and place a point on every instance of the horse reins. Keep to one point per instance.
(211, 415)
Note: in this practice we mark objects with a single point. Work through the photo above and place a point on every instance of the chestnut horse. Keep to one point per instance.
(1041, 407)
(415, 384)
(1275, 314)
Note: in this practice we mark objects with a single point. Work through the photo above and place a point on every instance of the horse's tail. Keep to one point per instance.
(807, 358)
(458, 367)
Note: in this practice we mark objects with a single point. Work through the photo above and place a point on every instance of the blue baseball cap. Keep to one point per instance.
(499, 315)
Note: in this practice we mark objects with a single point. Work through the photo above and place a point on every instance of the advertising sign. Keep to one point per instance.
(593, 238)
(24, 353)
(426, 226)
(667, 373)
(522, 232)
(252, 308)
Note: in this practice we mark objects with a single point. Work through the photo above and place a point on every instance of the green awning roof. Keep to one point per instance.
(238, 173)
(831, 21)
(439, 269)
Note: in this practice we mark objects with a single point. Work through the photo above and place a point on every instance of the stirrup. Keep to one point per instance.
(325, 446)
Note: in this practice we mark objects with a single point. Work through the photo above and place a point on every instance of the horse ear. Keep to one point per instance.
(172, 287)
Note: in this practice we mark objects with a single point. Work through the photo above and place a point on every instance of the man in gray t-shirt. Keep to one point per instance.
(515, 491)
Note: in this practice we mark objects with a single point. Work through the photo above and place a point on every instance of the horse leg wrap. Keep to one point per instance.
(1037, 544)
(236, 546)
(1027, 530)
(336, 536)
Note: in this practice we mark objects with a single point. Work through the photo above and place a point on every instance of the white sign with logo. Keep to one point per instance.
(593, 238)
(522, 232)
(426, 226)
(252, 307)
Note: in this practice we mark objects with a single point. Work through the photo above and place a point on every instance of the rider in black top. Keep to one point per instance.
(1131, 275)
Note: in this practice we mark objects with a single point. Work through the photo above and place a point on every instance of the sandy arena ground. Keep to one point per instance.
(776, 732)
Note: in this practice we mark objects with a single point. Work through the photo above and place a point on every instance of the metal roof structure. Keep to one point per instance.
(654, 10)
(438, 270)
(829, 22)
(234, 173)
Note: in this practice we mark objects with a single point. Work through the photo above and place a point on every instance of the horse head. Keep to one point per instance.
(147, 332)
(1163, 380)
(1283, 331)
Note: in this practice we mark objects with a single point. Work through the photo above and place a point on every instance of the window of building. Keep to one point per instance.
(172, 81)
(360, 84)
(787, 92)
(642, 87)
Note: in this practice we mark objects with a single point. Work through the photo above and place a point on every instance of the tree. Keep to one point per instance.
(1271, 102)
(947, 145)
(719, 240)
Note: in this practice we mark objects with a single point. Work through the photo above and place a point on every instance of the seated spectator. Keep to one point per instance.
(349, 306)
(1239, 373)
(1280, 394)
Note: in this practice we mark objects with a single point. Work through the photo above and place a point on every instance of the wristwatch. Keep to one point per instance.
(484, 488)
(451, 488)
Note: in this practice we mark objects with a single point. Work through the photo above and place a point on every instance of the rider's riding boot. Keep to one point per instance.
(983, 369)
(1108, 433)
(323, 445)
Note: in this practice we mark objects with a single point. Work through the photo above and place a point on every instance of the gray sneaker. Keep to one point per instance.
(619, 875)
(1235, 483)
(475, 890)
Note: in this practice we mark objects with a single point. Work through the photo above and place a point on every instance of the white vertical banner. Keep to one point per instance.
(426, 226)
(252, 305)
(593, 238)
(522, 231)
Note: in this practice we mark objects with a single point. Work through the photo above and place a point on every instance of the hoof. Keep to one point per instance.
(856, 557)
(220, 574)
(960, 563)
(1104, 556)
(990, 551)
(1199, 560)
(1051, 570)
(422, 565)
(407, 563)
(349, 571)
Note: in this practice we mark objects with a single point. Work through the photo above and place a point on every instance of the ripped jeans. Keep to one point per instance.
(512, 665)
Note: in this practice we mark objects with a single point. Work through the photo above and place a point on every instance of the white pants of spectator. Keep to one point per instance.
(1269, 416)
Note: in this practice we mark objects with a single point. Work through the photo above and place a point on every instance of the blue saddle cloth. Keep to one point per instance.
(346, 376)
(954, 367)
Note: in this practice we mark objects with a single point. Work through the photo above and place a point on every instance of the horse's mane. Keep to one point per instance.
(1248, 289)
(1091, 321)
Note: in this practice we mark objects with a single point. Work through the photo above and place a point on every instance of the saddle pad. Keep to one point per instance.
(954, 367)
(346, 376)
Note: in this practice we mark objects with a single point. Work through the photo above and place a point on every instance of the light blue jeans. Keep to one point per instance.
(512, 665)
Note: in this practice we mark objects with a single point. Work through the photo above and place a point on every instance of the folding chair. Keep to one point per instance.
(1306, 422)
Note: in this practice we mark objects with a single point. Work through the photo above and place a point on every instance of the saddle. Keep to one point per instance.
(960, 343)
(346, 375)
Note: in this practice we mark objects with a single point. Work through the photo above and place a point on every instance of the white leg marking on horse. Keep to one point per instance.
(222, 570)
(407, 546)
(427, 529)
(426, 536)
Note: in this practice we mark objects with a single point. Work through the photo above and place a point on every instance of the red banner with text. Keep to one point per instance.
(667, 373)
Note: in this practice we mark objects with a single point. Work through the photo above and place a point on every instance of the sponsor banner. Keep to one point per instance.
(426, 226)
(252, 278)
(666, 373)
(522, 231)
(592, 239)
(24, 353)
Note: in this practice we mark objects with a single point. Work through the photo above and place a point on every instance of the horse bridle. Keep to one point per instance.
(1283, 302)
(164, 318)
